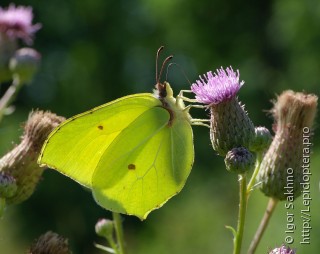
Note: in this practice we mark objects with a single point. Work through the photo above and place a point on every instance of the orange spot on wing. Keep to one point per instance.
(131, 167)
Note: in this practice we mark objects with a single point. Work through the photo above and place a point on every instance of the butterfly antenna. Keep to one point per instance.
(157, 58)
(163, 65)
(181, 69)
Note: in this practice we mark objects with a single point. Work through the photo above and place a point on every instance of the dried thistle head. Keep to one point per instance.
(50, 243)
(21, 162)
(293, 113)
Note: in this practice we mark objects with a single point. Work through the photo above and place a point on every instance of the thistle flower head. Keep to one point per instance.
(230, 125)
(282, 250)
(214, 88)
(16, 22)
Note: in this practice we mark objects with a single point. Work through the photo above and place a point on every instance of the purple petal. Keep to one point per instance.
(16, 22)
(214, 88)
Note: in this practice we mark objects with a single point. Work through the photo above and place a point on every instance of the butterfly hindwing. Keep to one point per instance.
(145, 165)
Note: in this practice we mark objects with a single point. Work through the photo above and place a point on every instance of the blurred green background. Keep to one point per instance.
(95, 51)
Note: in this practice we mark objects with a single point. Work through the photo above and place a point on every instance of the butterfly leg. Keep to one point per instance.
(182, 97)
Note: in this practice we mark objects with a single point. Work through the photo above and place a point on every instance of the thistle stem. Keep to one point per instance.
(10, 95)
(112, 243)
(241, 214)
(119, 232)
(263, 225)
(2, 206)
(254, 174)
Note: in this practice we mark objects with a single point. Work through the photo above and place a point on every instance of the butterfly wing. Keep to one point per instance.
(145, 165)
(75, 147)
(132, 152)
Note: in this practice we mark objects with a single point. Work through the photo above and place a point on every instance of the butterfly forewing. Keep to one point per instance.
(75, 147)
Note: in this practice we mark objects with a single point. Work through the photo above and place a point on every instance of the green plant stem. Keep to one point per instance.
(263, 225)
(254, 174)
(2, 206)
(119, 232)
(113, 244)
(241, 214)
(10, 95)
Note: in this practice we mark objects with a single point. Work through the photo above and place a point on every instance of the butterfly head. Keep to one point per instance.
(163, 90)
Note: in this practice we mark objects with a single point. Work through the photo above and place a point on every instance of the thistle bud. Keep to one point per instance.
(262, 139)
(282, 165)
(104, 228)
(50, 243)
(239, 160)
(21, 161)
(230, 124)
(25, 63)
(282, 250)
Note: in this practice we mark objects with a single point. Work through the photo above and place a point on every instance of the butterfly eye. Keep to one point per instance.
(162, 90)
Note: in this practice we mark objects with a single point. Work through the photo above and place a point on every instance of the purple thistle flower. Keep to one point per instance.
(282, 250)
(217, 87)
(230, 125)
(16, 22)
